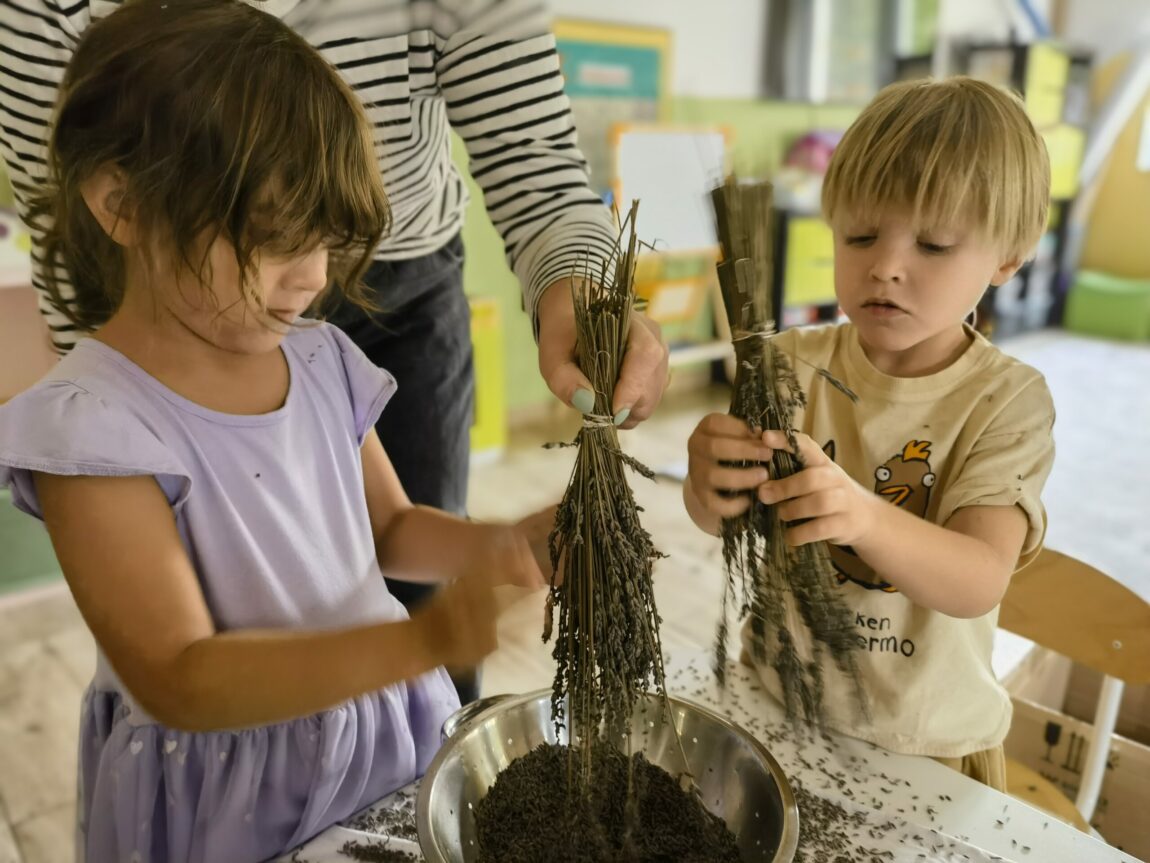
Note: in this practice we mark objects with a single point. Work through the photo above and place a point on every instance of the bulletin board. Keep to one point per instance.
(671, 170)
(612, 74)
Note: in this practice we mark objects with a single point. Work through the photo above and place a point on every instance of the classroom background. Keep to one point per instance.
(669, 97)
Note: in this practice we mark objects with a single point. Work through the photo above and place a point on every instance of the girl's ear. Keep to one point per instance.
(105, 193)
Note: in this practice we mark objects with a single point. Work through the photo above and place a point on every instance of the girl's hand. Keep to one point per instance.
(722, 438)
(457, 627)
(536, 528)
(508, 554)
(830, 505)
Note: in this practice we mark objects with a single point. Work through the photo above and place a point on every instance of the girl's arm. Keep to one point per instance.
(118, 546)
(422, 544)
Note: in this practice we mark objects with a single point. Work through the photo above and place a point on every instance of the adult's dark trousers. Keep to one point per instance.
(422, 335)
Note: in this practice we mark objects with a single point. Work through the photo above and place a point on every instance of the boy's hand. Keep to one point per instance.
(830, 505)
(722, 438)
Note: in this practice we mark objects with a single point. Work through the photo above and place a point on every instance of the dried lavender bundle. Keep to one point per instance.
(780, 589)
(607, 646)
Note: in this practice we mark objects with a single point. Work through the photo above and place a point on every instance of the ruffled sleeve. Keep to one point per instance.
(369, 387)
(58, 427)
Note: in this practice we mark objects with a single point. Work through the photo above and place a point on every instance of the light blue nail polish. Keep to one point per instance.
(621, 417)
(583, 400)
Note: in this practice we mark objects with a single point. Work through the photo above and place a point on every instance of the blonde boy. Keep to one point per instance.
(927, 489)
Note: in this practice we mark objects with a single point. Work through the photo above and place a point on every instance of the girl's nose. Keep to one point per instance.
(309, 273)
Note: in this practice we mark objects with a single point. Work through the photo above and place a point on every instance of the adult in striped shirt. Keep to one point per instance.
(487, 69)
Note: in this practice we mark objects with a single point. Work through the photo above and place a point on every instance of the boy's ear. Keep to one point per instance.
(105, 193)
(1006, 271)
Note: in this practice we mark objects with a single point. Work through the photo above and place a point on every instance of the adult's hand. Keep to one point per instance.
(642, 378)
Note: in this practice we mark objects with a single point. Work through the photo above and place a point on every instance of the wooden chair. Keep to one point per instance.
(1075, 610)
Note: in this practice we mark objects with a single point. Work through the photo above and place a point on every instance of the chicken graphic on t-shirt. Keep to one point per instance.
(905, 479)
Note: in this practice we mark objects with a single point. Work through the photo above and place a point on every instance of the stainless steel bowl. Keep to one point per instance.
(737, 777)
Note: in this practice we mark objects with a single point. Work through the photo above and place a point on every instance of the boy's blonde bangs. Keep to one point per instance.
(953, 152)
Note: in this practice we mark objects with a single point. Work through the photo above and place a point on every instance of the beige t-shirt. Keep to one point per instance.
(977, 433)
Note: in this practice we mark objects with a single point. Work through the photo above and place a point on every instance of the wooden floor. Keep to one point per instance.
(47, 656)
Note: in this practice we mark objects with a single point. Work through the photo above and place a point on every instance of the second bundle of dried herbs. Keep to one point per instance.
(787, 594)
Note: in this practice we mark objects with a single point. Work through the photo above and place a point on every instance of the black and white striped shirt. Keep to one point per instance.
(486, 68)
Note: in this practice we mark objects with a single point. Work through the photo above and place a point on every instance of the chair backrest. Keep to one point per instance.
(1072, 608)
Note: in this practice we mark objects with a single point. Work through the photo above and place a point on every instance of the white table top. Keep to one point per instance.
(911, 809)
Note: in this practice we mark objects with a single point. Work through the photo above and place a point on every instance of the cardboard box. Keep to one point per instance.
(1093, 619)
(1041, 676)
(1051, 680)
(1054, 744)
(1081, 700)
(1054, 704)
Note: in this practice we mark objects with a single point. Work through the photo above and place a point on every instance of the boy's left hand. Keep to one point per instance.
(830, 505)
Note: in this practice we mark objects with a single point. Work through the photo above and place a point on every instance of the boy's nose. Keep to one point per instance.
(887, 267)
